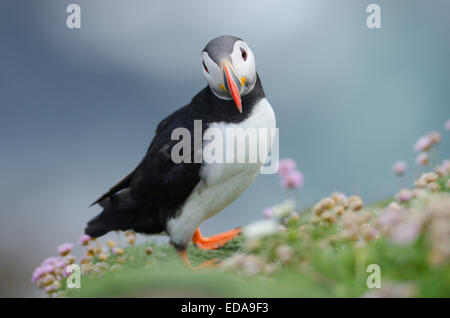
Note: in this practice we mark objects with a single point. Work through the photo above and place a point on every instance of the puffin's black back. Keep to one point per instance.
(154, 192)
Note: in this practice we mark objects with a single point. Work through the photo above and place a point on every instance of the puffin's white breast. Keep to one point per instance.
(221, 183)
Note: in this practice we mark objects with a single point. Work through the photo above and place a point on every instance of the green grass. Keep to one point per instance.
(332, 272)
(320, 266)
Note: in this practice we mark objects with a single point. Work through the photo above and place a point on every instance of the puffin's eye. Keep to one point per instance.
(244, 54)
(204, 65)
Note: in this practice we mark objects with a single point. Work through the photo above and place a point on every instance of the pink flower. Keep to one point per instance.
(399, 168)
(435, 137)
(84, 239)
(267, 213)
(38, 273)
(65, 272)
(406, 231)
(447, 125)
(446, 164)
(65, 249)
(41, 271)
(50, 260)
(286, 166)
(389, 218)
(404, 196)
(292, 180)
(60, 264)
(422, 144)
(422, 159)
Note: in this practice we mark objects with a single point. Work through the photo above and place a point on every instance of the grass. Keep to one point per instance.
(321, 265)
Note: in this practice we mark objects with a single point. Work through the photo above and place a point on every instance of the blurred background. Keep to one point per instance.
(79, 107)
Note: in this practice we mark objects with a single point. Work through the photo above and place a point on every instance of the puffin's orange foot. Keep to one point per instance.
(215, 241)
(209, 264)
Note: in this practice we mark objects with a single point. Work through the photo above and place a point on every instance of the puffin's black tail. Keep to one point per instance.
(120, 212)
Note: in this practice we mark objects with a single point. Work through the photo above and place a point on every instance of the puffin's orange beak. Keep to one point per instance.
(232, 84)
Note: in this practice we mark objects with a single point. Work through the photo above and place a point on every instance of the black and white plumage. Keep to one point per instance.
(162, 196)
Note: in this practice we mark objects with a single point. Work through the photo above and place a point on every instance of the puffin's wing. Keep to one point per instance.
(159, 180)
(122, 184)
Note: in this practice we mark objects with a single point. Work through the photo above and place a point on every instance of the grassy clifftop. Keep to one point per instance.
(321, 252)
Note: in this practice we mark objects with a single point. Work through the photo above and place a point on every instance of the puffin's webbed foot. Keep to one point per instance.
(210, 264)
(215, 241)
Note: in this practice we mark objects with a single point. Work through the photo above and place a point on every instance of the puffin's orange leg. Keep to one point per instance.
(212, 263)
(215, 241)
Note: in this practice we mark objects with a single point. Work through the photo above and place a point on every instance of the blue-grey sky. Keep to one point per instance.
(79, 107)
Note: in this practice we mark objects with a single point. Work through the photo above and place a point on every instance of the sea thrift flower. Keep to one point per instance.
(338, 197)
(253, 265)
(394, 206)
(233, 262)
(60, 264)
(389, 218)
(422, 159)
(260, 228)
(284, 253)
(329, 217)
(90, 250)
(399, 168)
(267, 213)
(368, 232)
(426, 178)
(50, 260)
(447, 125)
(84, 239)
(323, 205)
(131, 239)
(429, 177)
(439, 226)
(245, 264)
(53, 287)
(286, 166)
(69, 259)
(293, 217)
(40, 271)
(420, 184)
(423, 144)
(149, 250)
(404, 195)
(66, 273)
(407, 231)
(65, 249)
(435, 137)
(86, 259)
(355, 203)
(443, 169)
(283, 210)
(292, 180)
(118, 251)
(86, 268)
(340, 209)
(433, 186)
(111, 244)
(446, 165)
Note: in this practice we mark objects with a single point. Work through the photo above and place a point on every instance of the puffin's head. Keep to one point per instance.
(229, 68)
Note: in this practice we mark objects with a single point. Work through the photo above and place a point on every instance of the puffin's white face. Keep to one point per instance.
(229, 71)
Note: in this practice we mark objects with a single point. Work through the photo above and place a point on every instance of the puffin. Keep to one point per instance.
(166, 196)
